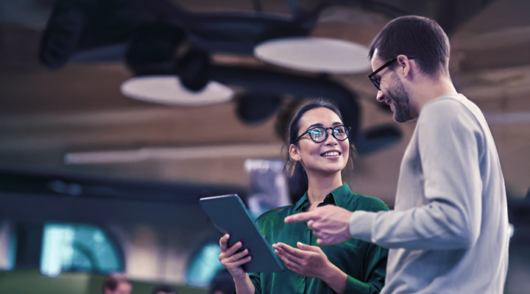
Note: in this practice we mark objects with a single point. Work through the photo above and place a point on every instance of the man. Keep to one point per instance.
(116, 284)
(449, 230)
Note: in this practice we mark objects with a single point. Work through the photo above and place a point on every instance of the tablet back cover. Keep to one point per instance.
(229, 216)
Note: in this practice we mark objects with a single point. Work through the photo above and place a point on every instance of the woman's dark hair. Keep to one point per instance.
(295, 171)
(222, 282)
(111, 281)
(415, 36)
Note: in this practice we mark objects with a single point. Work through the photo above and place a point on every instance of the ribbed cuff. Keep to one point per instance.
(361, 224)
(355, 286)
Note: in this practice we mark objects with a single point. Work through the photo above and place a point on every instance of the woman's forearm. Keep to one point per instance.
(244, 285)
(336, 279)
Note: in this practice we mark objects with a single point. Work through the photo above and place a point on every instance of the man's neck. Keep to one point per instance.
(427, 90)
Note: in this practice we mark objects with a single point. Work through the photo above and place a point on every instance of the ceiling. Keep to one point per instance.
(46, 114)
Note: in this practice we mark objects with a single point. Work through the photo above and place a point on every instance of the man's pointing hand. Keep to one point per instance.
(330, 224)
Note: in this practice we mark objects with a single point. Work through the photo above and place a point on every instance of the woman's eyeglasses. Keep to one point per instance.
(320, 134)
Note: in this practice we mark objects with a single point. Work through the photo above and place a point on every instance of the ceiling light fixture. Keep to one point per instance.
(318, 55)
(170, 91)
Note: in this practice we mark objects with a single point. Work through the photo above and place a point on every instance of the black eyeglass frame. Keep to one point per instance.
(377, 84)
(326, 132)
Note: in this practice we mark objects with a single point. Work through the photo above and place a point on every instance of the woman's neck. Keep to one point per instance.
(319, 186)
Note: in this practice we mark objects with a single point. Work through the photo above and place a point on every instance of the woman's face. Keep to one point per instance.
(326, 157)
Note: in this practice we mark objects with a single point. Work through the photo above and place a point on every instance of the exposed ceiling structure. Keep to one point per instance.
(46, 114)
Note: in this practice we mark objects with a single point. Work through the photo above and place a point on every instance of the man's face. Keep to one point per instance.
(392, 91)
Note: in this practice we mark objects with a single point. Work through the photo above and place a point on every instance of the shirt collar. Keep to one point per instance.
(337, 197)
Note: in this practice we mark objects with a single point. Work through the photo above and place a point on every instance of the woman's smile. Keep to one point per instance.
(332, 154)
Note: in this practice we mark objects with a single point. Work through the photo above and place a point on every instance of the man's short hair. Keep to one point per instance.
(111, 281)
(415, 36)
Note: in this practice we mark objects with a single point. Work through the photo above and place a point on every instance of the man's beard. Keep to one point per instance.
(400, 99)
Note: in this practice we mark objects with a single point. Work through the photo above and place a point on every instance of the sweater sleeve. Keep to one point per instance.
(449, 143)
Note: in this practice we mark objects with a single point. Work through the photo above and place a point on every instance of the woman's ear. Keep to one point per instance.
(294, 152)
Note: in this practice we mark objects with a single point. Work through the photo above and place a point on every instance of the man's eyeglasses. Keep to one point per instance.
(377, 82)
(320, 134)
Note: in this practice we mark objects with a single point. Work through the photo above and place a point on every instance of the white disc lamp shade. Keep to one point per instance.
(318, 55)
(169, 90)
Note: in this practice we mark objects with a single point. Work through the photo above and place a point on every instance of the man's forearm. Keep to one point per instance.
(434, 226)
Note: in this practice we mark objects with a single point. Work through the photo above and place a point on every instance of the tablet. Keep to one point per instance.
(229, 216)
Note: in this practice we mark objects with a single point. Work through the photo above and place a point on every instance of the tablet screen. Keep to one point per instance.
(229, 216)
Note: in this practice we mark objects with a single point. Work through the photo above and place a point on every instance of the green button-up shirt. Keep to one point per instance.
(364, 263)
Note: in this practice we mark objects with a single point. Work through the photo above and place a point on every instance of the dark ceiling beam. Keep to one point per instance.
(68, 185)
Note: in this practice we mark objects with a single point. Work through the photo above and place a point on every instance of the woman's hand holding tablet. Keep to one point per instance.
(231, 259)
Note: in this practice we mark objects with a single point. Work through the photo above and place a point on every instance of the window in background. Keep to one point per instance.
(204, 265)
(8, 245)
(78, 247)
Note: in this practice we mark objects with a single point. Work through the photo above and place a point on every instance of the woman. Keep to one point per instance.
(319, 150)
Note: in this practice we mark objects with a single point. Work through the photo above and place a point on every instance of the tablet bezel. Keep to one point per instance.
(230, 216)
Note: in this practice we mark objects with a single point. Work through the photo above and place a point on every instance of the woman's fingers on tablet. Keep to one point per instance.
(223, 242)
(237, 259)
(242, 261)
(238, 255)
(230, 254)
(230, 251)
